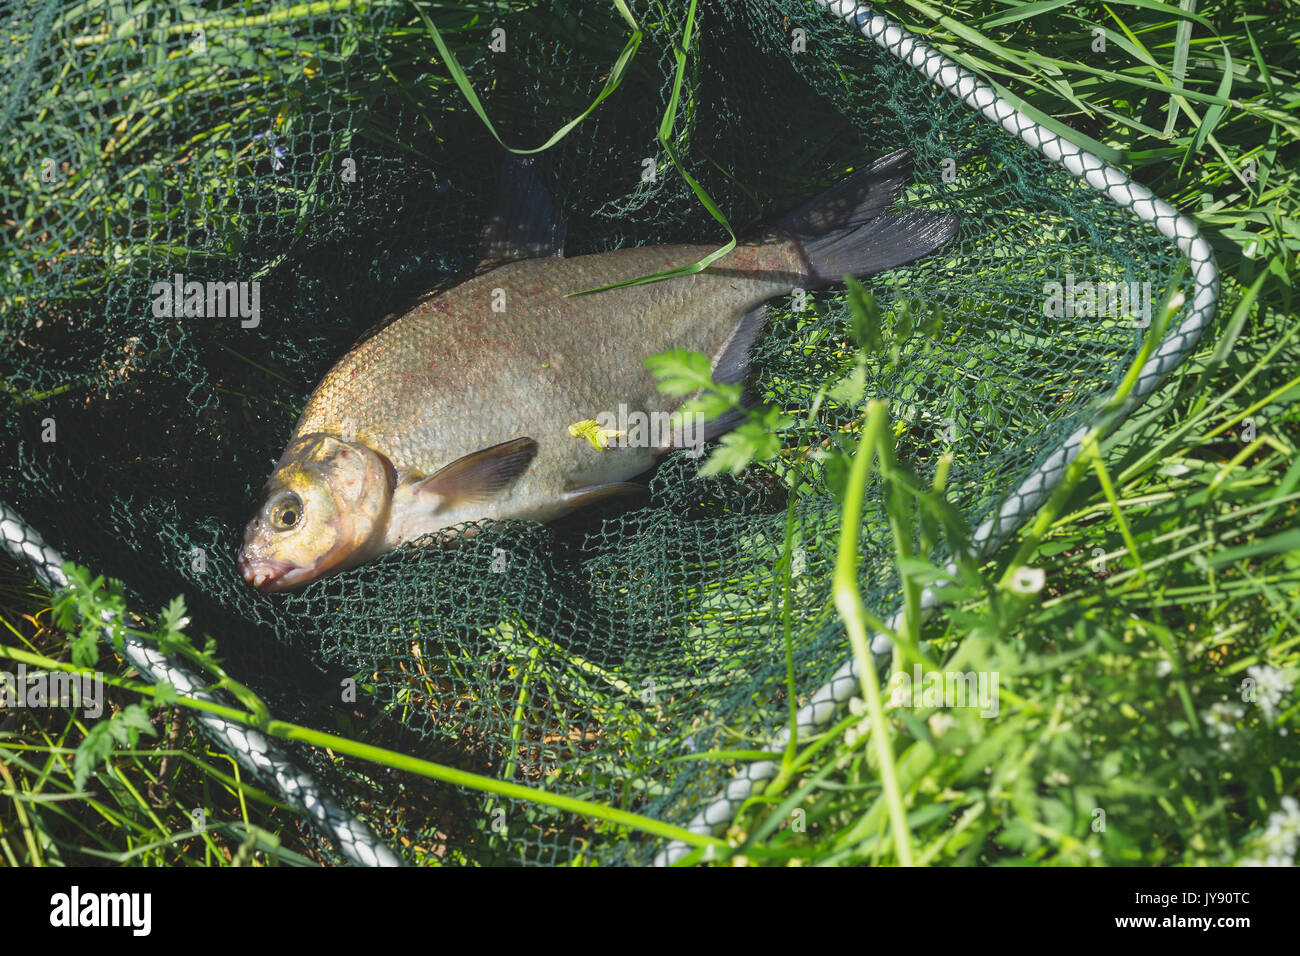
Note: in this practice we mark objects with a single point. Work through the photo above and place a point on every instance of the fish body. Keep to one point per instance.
(458, 377)
(461, 409)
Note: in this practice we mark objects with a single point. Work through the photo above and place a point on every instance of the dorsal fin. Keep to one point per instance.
(523, 222)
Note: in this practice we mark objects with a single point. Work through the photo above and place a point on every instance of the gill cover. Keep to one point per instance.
(324, 508)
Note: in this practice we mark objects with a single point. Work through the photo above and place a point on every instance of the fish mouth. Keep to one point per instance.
(267, 574)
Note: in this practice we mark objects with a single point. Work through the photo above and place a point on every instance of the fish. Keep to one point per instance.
(462, 408)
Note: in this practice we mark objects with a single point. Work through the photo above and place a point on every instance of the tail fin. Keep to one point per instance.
(846, 230)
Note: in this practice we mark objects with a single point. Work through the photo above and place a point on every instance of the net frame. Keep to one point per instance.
(268, 762)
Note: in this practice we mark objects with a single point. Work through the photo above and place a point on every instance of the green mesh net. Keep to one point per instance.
(594, 656)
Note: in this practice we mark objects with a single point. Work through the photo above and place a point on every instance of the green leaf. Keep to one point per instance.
(905, 322)
(174, 617)
(92, 752)
(666, 127)
(836, 464)
(458, 75)
(122, 729)
(1285, 542)
(1216, 112)
(711, 404)
(740, 448)
(129, 723)
(850, 389)
(1021, 12)
(164, 694)
(922, 571)
(84, 646)
(865, 315)
(680, 372)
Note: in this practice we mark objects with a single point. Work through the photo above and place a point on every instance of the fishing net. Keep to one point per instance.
(323, 150)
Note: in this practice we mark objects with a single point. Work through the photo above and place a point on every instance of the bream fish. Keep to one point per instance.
(458, 411)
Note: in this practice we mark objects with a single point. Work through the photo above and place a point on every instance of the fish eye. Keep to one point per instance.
(286, 511)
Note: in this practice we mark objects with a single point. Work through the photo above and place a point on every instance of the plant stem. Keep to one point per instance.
(848, 600)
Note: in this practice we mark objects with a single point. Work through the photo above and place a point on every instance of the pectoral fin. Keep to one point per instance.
(478, 477)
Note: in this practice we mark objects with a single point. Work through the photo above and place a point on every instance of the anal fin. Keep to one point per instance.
(579, 497)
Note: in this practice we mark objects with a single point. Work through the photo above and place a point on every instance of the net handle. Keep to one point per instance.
(255, 752)
(895, 39)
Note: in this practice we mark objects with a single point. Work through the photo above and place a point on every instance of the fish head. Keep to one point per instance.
(324, 508)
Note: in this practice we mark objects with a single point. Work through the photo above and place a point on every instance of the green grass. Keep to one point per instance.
(138, 810)
(1170, 565)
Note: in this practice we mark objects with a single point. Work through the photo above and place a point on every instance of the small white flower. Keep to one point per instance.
(1271, 687)
(857, 732)
(1028, 581)
(1222, 720)
(1164, 667)
(1277, 844)
(856, 707)
(940, 722)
